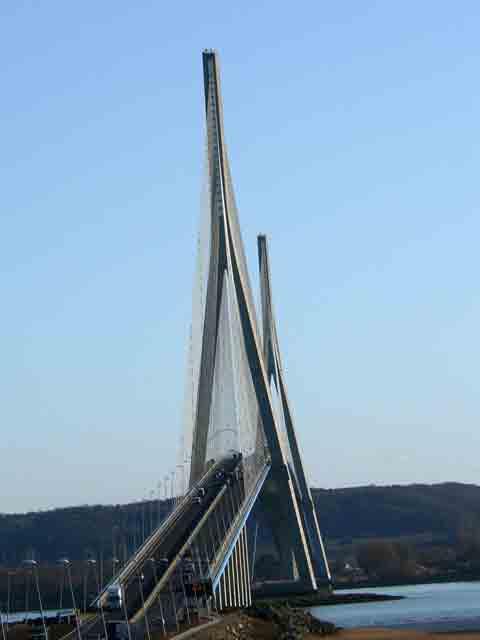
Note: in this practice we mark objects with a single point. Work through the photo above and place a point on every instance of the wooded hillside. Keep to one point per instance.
(441, 511)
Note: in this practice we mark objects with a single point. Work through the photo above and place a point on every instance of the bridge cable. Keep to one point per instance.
(124, 601)
(160, 606)
(77, 620)
(140, 586)
(102, 613)
(184, 592)
(173, 603)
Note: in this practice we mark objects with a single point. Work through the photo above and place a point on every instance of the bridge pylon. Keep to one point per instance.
(232, 405)
(285, 424)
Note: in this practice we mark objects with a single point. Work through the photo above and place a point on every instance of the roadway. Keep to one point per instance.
(154, 559)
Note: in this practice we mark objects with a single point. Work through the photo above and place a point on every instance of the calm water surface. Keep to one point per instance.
(436, 607)
(20, 616)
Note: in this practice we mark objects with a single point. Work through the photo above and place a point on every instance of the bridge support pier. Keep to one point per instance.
(233, 588)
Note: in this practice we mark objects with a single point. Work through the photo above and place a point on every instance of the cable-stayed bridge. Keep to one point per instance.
(247, 494)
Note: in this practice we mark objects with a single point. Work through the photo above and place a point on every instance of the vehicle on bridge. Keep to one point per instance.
(114, 600)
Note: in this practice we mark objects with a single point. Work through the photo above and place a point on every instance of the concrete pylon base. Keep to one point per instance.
(281, 537)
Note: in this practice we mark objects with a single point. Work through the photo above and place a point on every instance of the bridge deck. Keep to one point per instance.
(182, 563)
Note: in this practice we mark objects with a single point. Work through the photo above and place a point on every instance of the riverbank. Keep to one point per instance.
(297, 625)
(267, 622)
(370, 633)
(445, 578)
(319, 599)
(245, 626)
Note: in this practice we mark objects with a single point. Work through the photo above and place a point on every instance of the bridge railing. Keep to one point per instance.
(144, 552)
(196, 560)
(236, 527)
(201, 547)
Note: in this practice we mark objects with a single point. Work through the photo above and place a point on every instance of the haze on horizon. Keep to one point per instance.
(354, 143)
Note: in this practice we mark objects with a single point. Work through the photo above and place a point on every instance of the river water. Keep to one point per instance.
(452, 606)
(21, 616)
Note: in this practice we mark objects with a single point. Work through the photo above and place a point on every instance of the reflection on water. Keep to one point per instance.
(21, 616)
(435, 607)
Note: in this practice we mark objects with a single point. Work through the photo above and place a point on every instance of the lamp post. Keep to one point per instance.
(159, 487)
(160, 605)
(115, 561)
(32, 564)
(100, 572)
(165, 489)
(27, 592)
(97, 579)
(67, 567)
(152, 494)
(85, 578)
(115, 529)
(142, 516)
(180, 482)
(10, 575)
(61, 587)
(2, 624)
(135, 527)
(89, 563)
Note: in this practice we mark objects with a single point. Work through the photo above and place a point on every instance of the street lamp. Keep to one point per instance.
(65, 562)
(141, 502)
(93, 564)
(61, 588)
(181, 481)
(26, 605)
(32, 564)
(159, 487)
(115, 561)
(2, 624)
(155, 575)
(115, 530)
(165, 488)
(152, 494)
(90, 562)
(10, 575)
(172, 473)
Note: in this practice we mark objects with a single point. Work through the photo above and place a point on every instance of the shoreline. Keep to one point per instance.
(379, 584)
(395, 633)
(316, 600)
(249, 625)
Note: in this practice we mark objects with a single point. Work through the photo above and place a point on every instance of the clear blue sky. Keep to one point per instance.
(353, 132)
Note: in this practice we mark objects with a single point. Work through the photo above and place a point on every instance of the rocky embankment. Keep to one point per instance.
(268, 621)
(291, 623)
